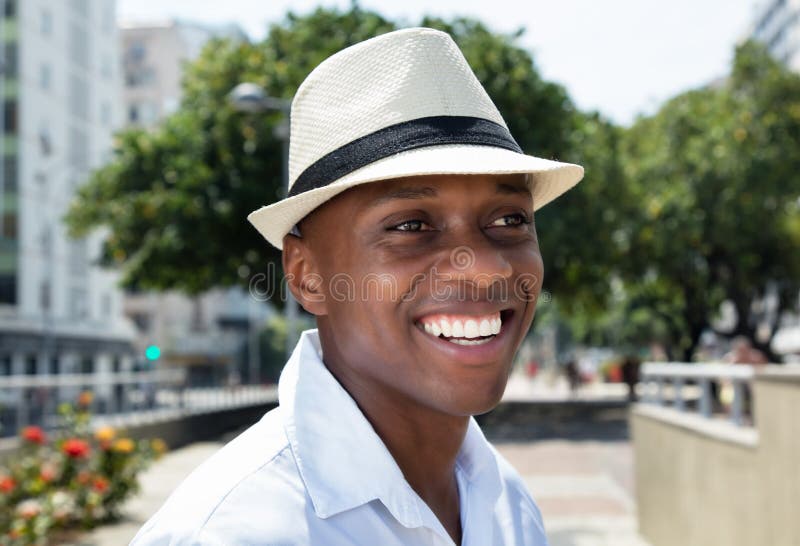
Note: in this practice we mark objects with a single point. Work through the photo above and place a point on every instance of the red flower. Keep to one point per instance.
(100, 484)
(75, 448)
(34, 435)
(85, 399)
(7, 484)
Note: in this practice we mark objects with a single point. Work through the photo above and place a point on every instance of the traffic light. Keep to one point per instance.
(152, 353)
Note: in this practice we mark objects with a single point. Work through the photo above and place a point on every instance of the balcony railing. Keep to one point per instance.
(123, 398)
(684, 385)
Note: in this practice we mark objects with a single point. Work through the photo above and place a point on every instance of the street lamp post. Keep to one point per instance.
(251, 98)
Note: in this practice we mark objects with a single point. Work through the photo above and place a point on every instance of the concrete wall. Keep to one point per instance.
(701, 482)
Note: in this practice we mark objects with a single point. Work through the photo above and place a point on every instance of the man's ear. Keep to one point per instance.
(302, 276)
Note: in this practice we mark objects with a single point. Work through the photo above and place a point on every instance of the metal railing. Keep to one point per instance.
(688, 384)
(121, 398)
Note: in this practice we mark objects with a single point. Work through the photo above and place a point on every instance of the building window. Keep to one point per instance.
(5, 365)
(9, 68)
(79, 96)
(136, 52)
(44, 295)
(8, 287)
(30, 365)
(78, 261)
(45, 76)
(77, 302)
(45, 141)
(87, 364)
(80, 7)
(10, 116)
(105, 305)
(10, 9)
(9, 225)
(142, 321)
(143, 112)
(46, 240)
(46, 22)
(105, 114)
(140, 76)
(79, 45)
(10, 173)
(78, 149)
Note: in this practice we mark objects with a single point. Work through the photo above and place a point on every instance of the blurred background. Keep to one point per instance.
(654, 400)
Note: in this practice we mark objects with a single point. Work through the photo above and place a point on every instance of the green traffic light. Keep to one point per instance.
(152, 352)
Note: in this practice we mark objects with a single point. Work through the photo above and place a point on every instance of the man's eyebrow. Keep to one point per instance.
(503, 187)
(427, 191)
(404, 193)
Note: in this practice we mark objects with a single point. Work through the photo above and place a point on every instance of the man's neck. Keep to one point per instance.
(427, 457)
(424, 443)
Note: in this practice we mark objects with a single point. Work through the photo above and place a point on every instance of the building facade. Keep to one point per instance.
(153, 56)
(59, 313)
(777, 25)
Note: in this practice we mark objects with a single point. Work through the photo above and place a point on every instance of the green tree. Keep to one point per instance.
(715, 174)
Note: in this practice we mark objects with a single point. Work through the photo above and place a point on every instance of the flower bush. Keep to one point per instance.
(76, 479)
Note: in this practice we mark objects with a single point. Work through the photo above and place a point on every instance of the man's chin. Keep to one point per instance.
(476, 401)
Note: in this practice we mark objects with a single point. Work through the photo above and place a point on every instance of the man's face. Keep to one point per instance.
(423, 287)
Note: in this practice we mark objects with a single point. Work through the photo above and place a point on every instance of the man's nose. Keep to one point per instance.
(478, 262)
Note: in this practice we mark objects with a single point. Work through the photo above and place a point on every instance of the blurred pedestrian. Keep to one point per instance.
(630, 375)
(573, 376)
(743, 353)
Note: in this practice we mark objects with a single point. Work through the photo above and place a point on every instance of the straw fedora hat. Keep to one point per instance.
(401, 104)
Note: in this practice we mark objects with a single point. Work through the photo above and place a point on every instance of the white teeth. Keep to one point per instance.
(469, 328)
(470, 341)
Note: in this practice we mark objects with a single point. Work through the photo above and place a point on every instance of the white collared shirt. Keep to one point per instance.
(314, 472)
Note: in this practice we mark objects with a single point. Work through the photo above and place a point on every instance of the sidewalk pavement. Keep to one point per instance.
(584, 489)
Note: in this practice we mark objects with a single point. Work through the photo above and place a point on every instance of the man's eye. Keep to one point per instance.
(511, 220)
(410, 225)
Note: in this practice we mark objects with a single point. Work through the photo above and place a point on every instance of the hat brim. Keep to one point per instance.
(550, 179)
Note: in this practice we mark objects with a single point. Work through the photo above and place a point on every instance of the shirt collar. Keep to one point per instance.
(342, 460)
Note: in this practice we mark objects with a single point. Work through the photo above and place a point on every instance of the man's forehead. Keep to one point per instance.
(421, 187)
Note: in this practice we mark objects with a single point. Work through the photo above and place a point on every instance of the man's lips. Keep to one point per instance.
(477, 351)
(463, 328)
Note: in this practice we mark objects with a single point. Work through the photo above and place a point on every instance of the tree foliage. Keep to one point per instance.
(716, 173)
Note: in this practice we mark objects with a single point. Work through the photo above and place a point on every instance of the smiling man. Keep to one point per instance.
(408, 233)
